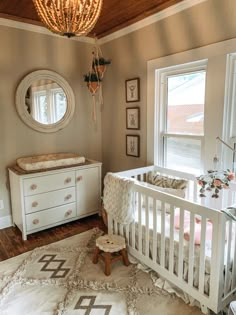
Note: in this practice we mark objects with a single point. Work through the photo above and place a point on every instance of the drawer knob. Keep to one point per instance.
(68, 180)
(68, 213)
(79, 178)
(36, 221)
(33, 187)
(34, 204)
(68, 197)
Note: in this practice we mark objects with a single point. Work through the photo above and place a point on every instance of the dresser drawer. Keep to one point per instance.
(47, 217)
(49, 200)
(41, 184)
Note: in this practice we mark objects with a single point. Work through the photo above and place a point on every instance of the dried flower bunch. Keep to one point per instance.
(214, 181)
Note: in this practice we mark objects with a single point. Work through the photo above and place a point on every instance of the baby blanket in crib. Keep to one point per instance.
(118, 198)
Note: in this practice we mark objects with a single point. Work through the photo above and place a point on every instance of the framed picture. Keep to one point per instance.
(132, 87)
(132, 118)
(133, 145)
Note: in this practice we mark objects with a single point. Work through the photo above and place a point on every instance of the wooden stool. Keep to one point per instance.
(110, 248)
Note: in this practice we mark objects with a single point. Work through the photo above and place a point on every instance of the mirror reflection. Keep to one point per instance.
(46, 101)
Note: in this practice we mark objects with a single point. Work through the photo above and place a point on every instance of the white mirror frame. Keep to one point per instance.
(21, 107)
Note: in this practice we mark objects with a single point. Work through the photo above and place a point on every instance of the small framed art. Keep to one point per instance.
(132, 118)
(132, 87)
(133, 145)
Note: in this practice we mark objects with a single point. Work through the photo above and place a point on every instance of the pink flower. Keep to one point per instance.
(231, 176)
(200, 183)
(217, 182)
(226, 187)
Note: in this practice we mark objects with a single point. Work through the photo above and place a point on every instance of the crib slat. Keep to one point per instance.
(181, 241)
(133, 225)
(110, 225)
(140, 234)
(121, 229)
(163, 213)
(228, 248)
(202, 255)
(127, 228)
(218, 251)
(133, 235)
(191, 249)
(154, 236)
(115, 227)
(171, 245)
(147, 227)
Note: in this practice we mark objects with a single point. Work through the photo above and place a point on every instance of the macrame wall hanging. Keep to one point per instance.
(94, 78)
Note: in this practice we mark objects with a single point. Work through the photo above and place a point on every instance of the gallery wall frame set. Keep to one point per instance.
(133, 145)
(132, 90)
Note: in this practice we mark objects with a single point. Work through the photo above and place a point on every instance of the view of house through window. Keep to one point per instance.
(183, 98)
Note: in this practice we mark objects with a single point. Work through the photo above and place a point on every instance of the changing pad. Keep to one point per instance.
(45, 161)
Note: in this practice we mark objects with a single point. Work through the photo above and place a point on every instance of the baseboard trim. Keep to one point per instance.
(5, 222)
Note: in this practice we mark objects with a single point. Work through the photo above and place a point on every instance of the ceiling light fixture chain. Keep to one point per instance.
(69, 17)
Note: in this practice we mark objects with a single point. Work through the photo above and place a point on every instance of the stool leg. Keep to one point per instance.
(96, 255)
(125, 257)
(107, 257)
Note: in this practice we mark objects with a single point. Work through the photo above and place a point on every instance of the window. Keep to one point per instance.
(181, 101)
(49, 105)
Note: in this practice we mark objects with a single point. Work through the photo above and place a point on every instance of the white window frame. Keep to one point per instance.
(161, 108)
(229, 120)
(49, 91)
(217, 110)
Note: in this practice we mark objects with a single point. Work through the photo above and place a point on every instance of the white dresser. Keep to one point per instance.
(44, 199)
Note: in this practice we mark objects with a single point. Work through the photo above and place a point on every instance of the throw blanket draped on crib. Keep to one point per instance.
(118, 198)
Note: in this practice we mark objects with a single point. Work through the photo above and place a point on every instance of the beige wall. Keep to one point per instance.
(209, 22)
(21, 53)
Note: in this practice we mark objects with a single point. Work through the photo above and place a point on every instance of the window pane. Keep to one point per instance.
(60, 102)
(185, 103)
(183, 154)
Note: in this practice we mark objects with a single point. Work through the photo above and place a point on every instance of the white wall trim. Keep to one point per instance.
(5, 222)
(151, 19)
(41, 30)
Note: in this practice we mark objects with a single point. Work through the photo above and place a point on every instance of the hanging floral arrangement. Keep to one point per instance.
(94, 77)
(214, 181)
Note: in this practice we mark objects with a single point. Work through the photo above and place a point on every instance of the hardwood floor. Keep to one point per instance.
(11, 243)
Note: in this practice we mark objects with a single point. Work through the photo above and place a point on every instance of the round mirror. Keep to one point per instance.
(45, 101)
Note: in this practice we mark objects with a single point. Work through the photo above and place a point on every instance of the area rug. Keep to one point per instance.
(60, 278)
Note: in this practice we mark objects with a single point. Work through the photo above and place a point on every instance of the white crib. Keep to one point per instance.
(207, 272)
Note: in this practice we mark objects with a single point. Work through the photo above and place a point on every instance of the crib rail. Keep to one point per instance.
(140, 174)
(188, 244)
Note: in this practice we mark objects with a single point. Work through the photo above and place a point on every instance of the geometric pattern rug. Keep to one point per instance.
(60, 278)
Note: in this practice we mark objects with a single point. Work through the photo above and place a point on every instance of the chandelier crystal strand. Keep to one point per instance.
(69, 17)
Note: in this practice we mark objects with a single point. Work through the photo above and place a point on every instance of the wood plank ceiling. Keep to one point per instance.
(115, 15)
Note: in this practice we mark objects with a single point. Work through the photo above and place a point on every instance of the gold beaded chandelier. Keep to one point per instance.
(69, 17)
